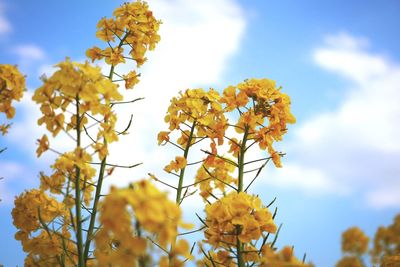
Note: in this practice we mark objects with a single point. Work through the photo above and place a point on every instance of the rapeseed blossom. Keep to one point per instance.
(133, 216)
(12, 87)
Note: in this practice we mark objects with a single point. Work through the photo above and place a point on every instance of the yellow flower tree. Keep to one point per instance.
(385, 249)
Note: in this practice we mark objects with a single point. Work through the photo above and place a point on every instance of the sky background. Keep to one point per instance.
(338, 61)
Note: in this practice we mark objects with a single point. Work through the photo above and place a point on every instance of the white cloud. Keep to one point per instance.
(354, 148)
(197, 40)
(384, 197)
(5, 25)
(28, 53)
(311, 180)
(347, 56)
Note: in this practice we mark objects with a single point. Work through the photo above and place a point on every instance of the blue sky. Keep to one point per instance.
(338, 60)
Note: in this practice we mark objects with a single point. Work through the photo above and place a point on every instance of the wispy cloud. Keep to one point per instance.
(354, 148)
(197, 40)
(5, 25)
(29, 52)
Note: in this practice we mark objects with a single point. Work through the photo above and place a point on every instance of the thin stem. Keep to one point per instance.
(100, 179)
(78, 204)
(142, 261)
(182, 172)
(126, 102)
(241, 161)
(193, 231)
(239, 245)
(239, 249)
(116, 165)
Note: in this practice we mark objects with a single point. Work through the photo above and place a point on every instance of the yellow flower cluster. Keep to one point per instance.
(133, 26)
(33, 211)
(203, 113)
(65, 166)
(385, 251)
(261, 100)
(349, 261)
(283, 258)
(26, 215)
(237, 219)
(123, 240)
(354, 241)
(12, 87)
(237, 216)
(219, 258)
(265, 257)
(180, 252)
(391, 261)
(195, 106)
(387, 243)
(176, 165)
(83, 89)
(202, 116)
(214, 174)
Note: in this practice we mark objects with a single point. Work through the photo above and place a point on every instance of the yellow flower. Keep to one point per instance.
(237, 215)
(199, 107)
(114, 56)
(25, 213)
(132, 24)
(33, 211)
(77, 82)
(43, 145)
(155, 216)
(214, 175)
(4, 128)
(389, 261)
(101, 149)
(285, 257)
(264, 113)
(94, 53)
(349, 261)
(250, 121)
(176, 165)
(276, 159)
(354, 241)
(106, 28)
(232, 100)
(12, 87)
(387, 243)
(234, 147)
(131, 79)
(163, 137)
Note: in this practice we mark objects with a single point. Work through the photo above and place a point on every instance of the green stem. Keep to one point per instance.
(180, 185)
(182, 172)
(241, 163)
(141, 260)
(240, 259)
(78, 203)
(100, 179)
(89, 236)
